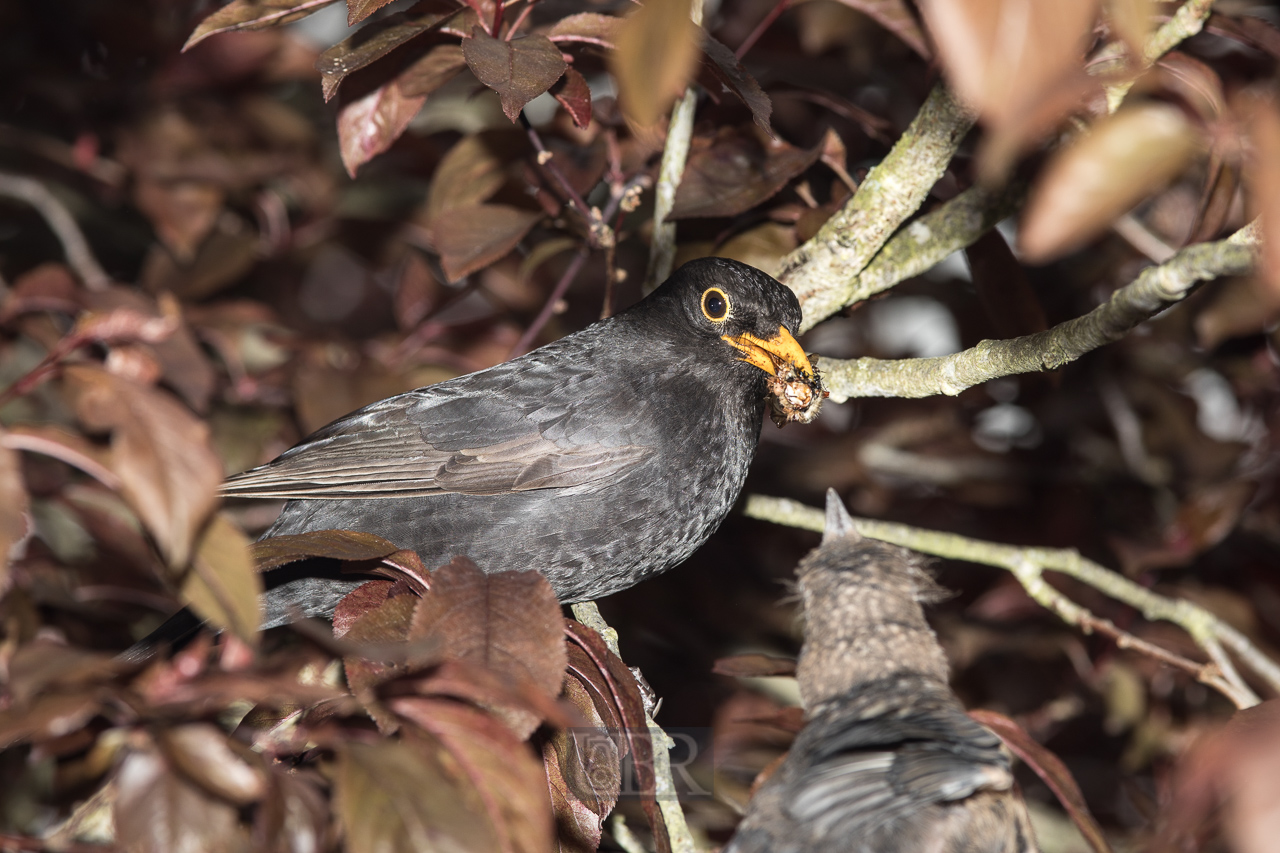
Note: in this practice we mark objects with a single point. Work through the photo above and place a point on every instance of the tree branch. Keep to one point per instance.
(79, 256)
(1028, 565)
(675, 153)
(824, 271)
(1154, 290)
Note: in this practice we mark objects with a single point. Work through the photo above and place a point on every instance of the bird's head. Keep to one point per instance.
(752, 318)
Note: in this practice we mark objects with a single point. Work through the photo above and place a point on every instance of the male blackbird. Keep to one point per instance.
(599, 460)
(888, 761)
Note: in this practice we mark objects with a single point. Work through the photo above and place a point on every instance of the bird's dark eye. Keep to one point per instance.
(715, 304)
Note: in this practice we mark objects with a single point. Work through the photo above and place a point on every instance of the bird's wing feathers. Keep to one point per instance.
(415, 444)
(869, 773)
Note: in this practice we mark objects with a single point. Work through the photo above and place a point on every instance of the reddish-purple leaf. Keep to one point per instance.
(607, 669)
(584, 766)
(508, 622)
(896, 17)
(52, 715)
(735, 171)
(575, 96)
(471, 238)
(253, 15)
(158, 811)
(368, 125)
(203, 753)
(473, 170)
(349, 545)
(1049, 768)
(377, 39)
(586, 27)
(502, 769)
(754, 666)
(400, 797)
(725, 68)
(518, 70)
(437, 66)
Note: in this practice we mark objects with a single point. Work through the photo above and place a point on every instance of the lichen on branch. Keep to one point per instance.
(1155, 289)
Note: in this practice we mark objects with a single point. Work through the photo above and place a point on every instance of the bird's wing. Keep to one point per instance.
(440, 439)
(866, 773)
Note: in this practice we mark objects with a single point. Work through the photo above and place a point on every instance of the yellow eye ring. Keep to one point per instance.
(715, 304)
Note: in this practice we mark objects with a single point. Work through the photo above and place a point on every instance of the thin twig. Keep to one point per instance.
(675, 153)
(761, 28)
(79, 256)
(1155, 289)
(1028, 565)
(531, 333)
(1186, 22)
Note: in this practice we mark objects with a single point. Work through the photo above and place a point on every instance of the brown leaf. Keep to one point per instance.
(588, 28)
(754, 666)
(1001, 55)
(253, 15)
(375, 40)
(656, 56)
(1195, 83)
(295, 818)
(584, 769)
(160, 452)
(575, 96)
(508, 622)
(182, 212)
(610, 677)
(13, 507)
(1049, 768)
(518, 70)
(1124, 158)
(437, 66)
(473, 170)
(502, 769)
(43, 666)
(398, 797)
(52, 715)
(1262, 178)
(735, 171)
(203, 753)
(471, 238)
(350, 545)
(368, 125)
(724, 66)
(895, 16)
(358, 10)
(185, 366)
(223, 585)
(1003, 287)
(386, 624)
(157, 811)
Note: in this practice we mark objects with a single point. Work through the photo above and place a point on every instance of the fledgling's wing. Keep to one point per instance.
(865, 773)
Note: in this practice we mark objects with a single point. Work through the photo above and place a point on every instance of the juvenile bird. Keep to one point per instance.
(599, 460)
(888, 761)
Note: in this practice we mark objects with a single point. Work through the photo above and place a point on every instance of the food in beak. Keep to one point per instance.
(795, 385)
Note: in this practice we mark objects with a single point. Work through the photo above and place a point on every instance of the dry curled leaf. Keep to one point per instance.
(1123, 159)
(656, 55)
(253, 15)
(159, 450)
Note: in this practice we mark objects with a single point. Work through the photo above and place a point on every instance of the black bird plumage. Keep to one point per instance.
(888, 761)
(599, 460)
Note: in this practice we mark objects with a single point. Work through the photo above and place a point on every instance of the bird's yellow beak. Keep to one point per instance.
(773, 354)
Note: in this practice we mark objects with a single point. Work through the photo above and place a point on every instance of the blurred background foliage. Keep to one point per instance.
(262, 258)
